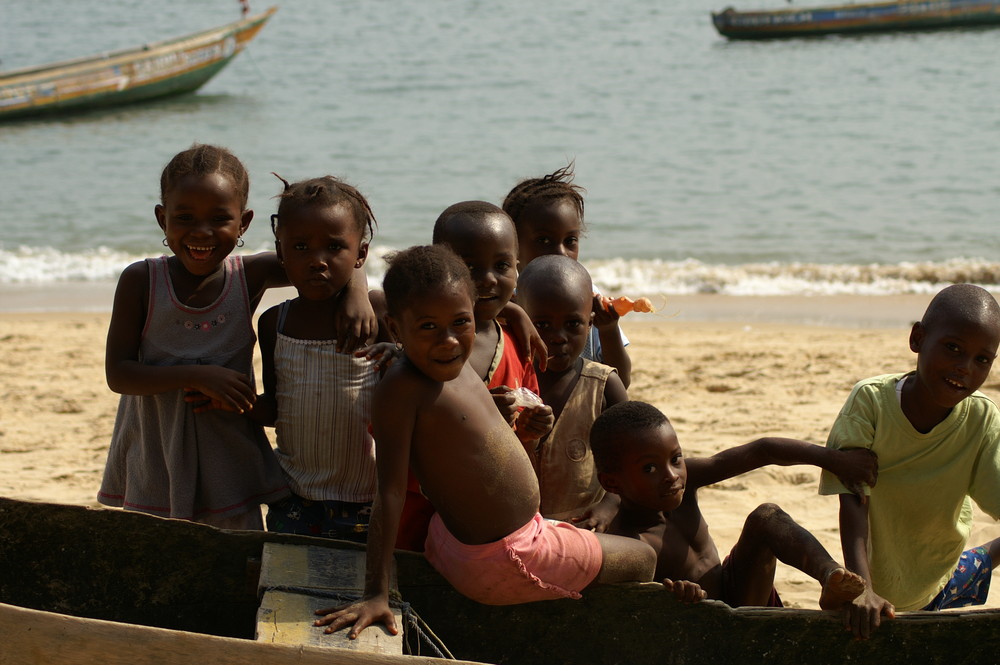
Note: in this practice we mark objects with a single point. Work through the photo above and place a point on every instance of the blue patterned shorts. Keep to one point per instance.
(326, 519)
(969, 585)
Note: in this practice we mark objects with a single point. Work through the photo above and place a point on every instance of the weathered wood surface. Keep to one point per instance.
(31, 637)
(297, 580)
(108, 564)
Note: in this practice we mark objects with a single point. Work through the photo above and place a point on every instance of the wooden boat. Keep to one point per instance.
(101, 587)
(852, 18)
(169, 67)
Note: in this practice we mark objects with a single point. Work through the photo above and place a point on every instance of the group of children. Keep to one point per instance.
(476, 408)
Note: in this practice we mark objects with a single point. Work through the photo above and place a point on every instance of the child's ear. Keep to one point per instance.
(161, 216)
(277, 250)
(609, 482)
(917, 336)
(393, 327)
(245, 220)
(362, 255)
(590, 321)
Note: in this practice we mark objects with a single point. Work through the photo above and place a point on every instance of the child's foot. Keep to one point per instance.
(839, 587)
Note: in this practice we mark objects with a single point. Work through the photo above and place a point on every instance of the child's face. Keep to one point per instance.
(202, 219)
(437, 332)
(563, 321)
(553, 227)
(320, 247)
(490, 250)
(953, 359)
(652, 473)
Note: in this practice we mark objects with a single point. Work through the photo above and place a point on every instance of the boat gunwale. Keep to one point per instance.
(112, 58)
(964, 6)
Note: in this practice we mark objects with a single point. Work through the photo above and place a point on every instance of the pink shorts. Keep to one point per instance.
(542, 560)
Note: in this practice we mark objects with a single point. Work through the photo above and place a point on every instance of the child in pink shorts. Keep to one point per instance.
(542, 560)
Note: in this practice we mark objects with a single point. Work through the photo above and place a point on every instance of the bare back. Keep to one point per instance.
(466, 457)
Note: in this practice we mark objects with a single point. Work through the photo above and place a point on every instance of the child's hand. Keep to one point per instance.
(855, 468)
(524, 333)
(354, 320)
(534, 422)
(598, 517)
(864, 614)
(605, 316)
(214, 387)
(685, 591)
(383, 353)
(357, 615)
(505, 403)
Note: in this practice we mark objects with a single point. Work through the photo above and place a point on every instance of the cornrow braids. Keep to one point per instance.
(202, 160)
(325, 191)
(554, 186)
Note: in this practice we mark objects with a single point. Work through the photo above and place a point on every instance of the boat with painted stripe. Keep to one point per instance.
(855, 18)
(170, 67)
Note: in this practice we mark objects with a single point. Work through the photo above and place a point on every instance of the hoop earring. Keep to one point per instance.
(239, 242)
(165, 241)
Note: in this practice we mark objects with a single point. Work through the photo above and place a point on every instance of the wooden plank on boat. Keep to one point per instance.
(34, 637)
(287, 618)
(297, 580)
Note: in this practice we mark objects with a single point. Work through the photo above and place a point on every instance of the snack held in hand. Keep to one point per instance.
(526, 398)
(623, 305)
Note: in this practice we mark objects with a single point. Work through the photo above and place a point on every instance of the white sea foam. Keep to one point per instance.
(46, 266)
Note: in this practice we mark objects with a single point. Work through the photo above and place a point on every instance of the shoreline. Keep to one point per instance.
(844, 311)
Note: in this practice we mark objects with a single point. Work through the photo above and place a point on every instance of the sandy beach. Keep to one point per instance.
(725, 370)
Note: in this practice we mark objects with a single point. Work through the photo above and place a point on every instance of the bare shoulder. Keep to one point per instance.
(132, 291)
(402, 385)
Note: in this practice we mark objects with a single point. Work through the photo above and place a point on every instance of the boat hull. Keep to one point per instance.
(172, 67)
(856, 18)
(135, 570)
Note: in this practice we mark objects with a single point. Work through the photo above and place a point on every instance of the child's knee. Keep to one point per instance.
(763, 514)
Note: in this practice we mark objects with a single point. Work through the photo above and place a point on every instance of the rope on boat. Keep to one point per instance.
(414, 623)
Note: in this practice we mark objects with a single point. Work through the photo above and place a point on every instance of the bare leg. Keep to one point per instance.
(625, 560)
(770, 534)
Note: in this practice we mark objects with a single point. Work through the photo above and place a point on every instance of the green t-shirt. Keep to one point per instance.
(919, 514)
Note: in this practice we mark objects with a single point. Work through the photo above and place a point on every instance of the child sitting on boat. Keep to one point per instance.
(555, 292)
(484, 238)
(432, 411)
(938, 443)
(639, 458)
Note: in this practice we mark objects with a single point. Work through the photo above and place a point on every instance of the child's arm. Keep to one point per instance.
(852, 466)
(864, 614)
(265, 409)
(612, 347)
(126, 375)
(394, 420)
(523, 331)
(355, 320)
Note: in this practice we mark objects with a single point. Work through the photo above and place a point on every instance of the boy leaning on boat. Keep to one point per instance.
(938, 443)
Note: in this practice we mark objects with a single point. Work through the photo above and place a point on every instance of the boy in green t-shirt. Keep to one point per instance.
(938, 445)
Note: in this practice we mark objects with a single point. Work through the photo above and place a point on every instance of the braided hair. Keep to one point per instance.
(552, 187)
(326, 191)
(201, 160)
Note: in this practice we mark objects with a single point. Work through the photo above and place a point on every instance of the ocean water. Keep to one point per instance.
(827, 165)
